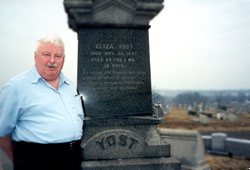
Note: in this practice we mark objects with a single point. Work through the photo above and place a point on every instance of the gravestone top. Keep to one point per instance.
(99, 12)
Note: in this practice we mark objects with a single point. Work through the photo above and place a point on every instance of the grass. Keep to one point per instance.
(179, 119)
(227, 163)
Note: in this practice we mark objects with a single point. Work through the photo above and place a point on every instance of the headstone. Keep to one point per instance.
(232, 117)
(238, 147)
(218, 142)
(188, 146)
(120, 129)
(203, 119)
(201, 107)
(221, 116)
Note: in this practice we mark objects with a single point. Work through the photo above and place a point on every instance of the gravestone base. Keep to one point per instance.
(133, 164)
(125, 143)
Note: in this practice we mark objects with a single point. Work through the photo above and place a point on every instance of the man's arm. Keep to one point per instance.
(6, 146)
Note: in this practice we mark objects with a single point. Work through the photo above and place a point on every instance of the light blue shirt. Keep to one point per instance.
(33, 111)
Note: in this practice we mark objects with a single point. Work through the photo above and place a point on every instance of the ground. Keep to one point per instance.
(179, 119)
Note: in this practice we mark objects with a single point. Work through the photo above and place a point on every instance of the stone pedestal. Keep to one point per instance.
(120, 129)
(131, 143)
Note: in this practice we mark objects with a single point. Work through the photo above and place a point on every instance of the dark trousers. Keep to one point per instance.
(33, 156)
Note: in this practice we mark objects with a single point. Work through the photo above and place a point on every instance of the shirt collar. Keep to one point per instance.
(63, 79)
(36, 77)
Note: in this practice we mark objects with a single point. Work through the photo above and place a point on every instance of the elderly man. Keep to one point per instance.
(41, 117)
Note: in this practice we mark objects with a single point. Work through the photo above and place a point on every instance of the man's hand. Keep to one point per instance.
(6, 146)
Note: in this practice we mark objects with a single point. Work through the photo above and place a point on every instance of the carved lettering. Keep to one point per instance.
(104, 46)
(97, 59)
(113, 141)
(117, 58)
(120, 53)
(95, 53)
(101, 143)
(133, 142)
(126, 46)
(109, 53)
(122, 140)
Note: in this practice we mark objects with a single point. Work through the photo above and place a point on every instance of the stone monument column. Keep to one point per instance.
(120, 128)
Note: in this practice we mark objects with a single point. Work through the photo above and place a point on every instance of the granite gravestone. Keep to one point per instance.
(114, 71)
(120, 129)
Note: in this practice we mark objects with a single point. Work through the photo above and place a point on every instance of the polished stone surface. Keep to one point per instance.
(114, 71)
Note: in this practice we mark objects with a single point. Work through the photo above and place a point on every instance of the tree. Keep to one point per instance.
(241, 97)
(189, 98)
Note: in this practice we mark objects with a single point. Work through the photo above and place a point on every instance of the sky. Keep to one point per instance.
(194, 44)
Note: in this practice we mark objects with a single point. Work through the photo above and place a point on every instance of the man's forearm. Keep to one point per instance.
(6, 146)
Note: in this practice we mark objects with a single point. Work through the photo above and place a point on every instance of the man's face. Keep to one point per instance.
(49, 60)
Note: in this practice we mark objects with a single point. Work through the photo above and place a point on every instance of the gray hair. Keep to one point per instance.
(53, 39)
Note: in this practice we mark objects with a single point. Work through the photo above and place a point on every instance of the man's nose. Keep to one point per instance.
(52, 58)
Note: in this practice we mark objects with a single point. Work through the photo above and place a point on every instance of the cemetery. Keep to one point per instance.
(225, 142)
(219, 143)
(123, 130)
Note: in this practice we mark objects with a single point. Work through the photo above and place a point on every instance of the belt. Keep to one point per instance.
(67, 145)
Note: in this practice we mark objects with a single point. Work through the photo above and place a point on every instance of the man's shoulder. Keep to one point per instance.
(19, 80)
(21, 77)
(16, 84)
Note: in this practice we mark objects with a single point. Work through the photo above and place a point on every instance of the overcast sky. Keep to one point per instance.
(194, 44)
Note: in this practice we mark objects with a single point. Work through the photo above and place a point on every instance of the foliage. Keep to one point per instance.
(189, 98)
(213, 97)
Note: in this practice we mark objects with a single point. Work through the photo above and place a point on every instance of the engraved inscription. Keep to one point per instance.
(114, 72)
(117, 62)
(104, 46)
(119, 140)
(113, 56)
(116, 140)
